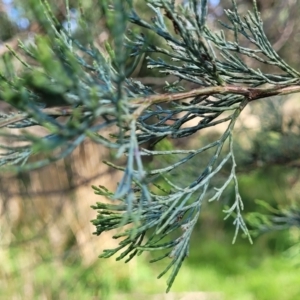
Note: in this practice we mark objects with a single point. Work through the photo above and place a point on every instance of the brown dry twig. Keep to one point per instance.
(142, 103)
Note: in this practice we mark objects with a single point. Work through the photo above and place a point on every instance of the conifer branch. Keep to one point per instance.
(92, 87)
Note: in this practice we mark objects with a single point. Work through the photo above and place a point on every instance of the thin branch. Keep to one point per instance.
(144, 102)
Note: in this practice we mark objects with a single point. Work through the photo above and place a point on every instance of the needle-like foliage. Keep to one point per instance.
(97, 94)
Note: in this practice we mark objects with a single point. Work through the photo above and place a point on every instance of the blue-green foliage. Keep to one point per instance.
(63, 76)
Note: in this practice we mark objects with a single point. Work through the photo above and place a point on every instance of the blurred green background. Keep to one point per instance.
(47, 250)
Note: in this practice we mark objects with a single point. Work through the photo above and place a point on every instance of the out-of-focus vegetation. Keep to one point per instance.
(47, 250)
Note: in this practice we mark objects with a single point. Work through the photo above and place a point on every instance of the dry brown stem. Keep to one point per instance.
(143, 102)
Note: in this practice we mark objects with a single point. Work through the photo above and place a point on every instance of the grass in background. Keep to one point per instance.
(239, 271)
